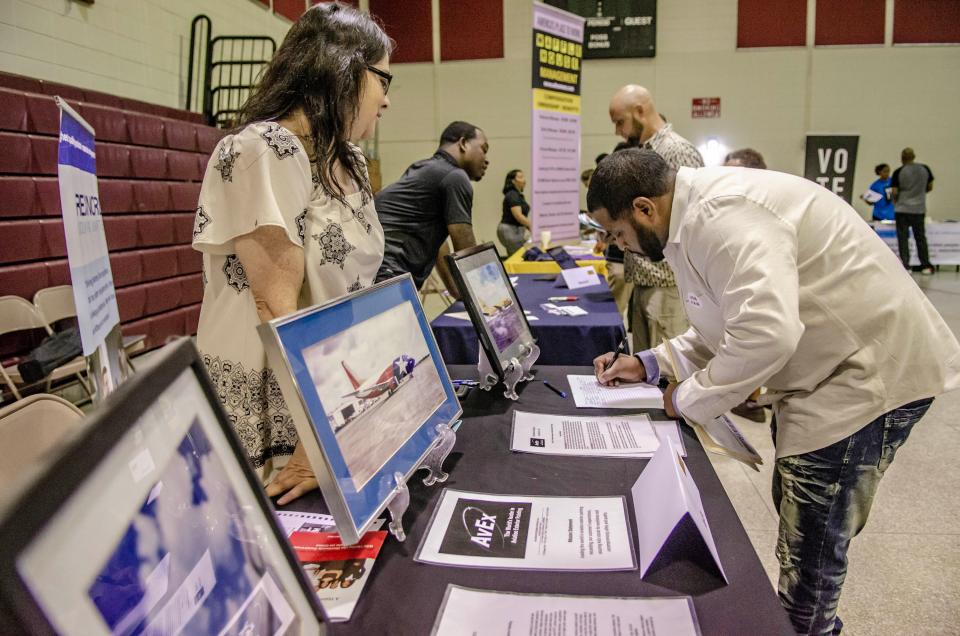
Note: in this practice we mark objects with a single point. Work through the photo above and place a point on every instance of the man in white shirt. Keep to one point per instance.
(785, 287)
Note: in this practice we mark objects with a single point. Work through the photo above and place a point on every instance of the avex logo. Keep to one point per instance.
(494, 529)
(482, 528)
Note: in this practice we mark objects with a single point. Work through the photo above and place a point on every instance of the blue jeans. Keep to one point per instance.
(824, 498)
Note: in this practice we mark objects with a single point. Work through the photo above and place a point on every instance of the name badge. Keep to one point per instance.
(694, 300)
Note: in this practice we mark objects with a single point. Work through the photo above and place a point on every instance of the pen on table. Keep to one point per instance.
(555, 299)
(554, 389)
(616, 352)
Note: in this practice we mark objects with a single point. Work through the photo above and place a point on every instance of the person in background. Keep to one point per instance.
(656, 311)
(788, 288)
(880, 199)
(619, 287)
(514, 228)
(432, 200)
(745, 158)
(909, 186)
(286, 219)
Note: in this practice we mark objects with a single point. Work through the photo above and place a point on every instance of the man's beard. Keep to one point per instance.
(649, 243)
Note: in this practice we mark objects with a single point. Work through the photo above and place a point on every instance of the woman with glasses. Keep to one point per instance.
(286, 218)
(514, 226)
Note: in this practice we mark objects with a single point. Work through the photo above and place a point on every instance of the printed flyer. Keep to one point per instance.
(528, 532)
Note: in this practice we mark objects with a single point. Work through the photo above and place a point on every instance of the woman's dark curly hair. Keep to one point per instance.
(321, 67)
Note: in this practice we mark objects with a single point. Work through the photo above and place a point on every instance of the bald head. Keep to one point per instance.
(633, 114)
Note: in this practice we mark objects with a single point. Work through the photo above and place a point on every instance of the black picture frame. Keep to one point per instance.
(44, 489)
(456, 262)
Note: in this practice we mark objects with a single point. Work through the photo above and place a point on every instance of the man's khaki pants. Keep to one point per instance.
(657, 313)
(620, 288)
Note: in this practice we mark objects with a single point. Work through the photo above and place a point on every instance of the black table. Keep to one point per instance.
(403, 597)
(563, 340)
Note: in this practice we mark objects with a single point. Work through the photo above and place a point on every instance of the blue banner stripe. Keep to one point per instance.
(77, 146)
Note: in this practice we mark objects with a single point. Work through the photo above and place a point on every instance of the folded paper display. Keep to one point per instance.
(664, 497)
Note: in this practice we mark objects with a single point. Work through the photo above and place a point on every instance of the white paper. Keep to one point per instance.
(467, 612)
(521, 532)
(573, 310)
(871, 197)
(604, 436)
(514, 280)
(662, 495)
(589, 393)
(292, 520)
(578, 277)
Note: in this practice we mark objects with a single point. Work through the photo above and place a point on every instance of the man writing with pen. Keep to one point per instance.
(785, 287)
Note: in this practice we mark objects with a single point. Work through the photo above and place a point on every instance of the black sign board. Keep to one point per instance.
(830, 161)
(615, 28)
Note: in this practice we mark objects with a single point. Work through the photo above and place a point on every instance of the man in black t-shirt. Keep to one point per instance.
(432, 200)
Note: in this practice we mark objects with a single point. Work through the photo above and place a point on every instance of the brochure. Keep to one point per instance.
(338, 572)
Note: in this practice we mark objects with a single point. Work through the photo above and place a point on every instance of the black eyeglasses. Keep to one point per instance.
(384, 75)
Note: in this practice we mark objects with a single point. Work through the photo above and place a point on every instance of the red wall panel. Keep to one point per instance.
(290, 9)
(849, 22)
(926, 21)
(470, 30)
(771, 23)
(410, 24)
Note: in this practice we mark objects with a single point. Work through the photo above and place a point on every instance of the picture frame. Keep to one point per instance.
(368, 392)
(149, 517)
(501, 324)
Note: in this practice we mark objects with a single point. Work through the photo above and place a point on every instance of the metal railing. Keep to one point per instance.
(220, 82)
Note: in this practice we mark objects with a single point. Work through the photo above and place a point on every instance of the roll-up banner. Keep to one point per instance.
(557, 54)
(830, 161)
(90, 273)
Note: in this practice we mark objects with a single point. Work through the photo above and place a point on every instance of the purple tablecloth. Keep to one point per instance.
(563, 340)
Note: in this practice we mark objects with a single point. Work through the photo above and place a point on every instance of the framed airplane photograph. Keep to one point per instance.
(364, 380)
(492, 304)
(149, 520)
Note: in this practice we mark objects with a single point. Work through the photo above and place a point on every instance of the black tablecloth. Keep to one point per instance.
(403, 597)
(563, 340)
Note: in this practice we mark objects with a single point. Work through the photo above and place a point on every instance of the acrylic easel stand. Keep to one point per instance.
(433, 464)
(515, 371)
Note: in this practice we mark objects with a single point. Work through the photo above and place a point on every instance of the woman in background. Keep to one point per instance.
(286, 219)
(515, 222)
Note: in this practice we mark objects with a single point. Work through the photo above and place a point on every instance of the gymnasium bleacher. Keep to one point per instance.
(150, 162)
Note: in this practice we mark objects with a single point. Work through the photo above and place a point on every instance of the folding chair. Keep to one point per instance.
(56, 303)
(18, 314)
(29, 428)
(434, 285)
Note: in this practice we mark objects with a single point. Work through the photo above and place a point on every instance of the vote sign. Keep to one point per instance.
(830, 161)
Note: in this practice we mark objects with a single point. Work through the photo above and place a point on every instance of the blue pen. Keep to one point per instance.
(554, 389)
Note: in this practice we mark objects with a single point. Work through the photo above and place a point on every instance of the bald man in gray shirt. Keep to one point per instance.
(910, 183)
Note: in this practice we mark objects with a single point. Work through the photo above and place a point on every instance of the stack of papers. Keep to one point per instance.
(584, 436)
(569, 310)
(589, 393)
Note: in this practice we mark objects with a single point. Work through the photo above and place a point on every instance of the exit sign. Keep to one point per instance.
(705, 107)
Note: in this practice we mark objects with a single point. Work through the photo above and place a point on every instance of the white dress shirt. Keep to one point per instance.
(787, 287)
